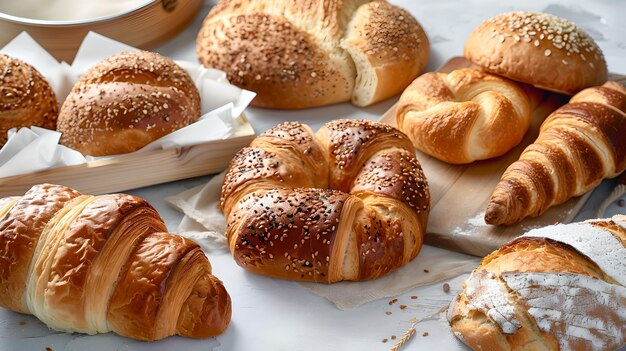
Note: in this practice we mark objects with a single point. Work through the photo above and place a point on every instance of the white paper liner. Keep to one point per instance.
(28, 151)
(205, 224)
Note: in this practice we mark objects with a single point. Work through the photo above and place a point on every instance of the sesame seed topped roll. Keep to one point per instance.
(546, 51)
(347, 203)
(127, 101)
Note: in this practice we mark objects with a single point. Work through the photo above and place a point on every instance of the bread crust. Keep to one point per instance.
(464, 116)
(125, 102)
(309, 53)
(539, 49)
(26, 98)
(348, 203)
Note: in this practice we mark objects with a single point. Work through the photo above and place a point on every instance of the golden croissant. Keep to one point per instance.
(464, 116)
(95, 264)
(348, 203)
(579, 145)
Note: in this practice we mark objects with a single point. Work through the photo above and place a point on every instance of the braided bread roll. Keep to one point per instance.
(579, 145)
(464, 116)
(298, 54)
(561, 287)
(348, 203)
(95, 264)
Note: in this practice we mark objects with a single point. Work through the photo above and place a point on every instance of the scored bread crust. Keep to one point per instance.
(546, 51)
(309, 53)
(493, 312)
(26, 98)
(347, 203)
(127, 101)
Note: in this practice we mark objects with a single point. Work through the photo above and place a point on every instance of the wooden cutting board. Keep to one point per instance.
(460, 193)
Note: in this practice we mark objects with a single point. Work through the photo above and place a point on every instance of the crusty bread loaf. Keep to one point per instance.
(561, 287)
(127, 101)
(95, 264)
(464, 116)
(26, 98)
(297, 54)
(546, 51)
(348, 203)
(579, 145)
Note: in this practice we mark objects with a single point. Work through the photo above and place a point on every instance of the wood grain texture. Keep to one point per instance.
(460, 193)
(137, 170)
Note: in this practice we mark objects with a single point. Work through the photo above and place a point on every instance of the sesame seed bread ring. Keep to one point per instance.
(127, 101)
(465, 115)
(26, 98)
(546, 51)
(348, 203)
(298, 54)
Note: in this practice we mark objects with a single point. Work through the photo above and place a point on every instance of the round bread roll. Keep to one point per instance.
(127, 101)
(26, 98)
(546, 51)
(464, 116)
(304, 54)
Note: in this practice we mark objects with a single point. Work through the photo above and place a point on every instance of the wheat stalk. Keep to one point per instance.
(404, 339)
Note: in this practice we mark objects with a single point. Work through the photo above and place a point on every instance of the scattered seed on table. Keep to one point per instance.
(413, 297)
(393, 337)
(446, 288)
(402, 307)
(425, 334)
(388, 313)
(620, 203)
(385, 340)
(393, 301)
(426, 270)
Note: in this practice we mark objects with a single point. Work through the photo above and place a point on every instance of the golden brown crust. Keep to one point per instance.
(389, 49)
(127, 101)
(26, 98)
(539, 49)
(371, 223)
(309, 53)
(579, 145)
(102, 263)
(464, 116)
(20, 229)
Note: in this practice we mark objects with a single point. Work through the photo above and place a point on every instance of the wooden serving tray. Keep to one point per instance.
(460, 193)
(137, 170)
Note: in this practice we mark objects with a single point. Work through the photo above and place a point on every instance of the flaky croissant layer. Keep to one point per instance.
(95, 264)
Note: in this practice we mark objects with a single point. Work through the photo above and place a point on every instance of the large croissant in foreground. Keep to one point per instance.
(579, 145)
(348, 203)
(95, 264)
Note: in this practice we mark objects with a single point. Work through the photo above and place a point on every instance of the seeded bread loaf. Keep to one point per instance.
(26, 98)
(349, 202)
(546, 51)
(297, 54)
(127, 101)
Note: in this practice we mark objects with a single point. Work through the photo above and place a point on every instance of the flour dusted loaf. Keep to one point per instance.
(561, 287)
(464, 116)
(348, 203)
(26, 98)
(546, 51)
(127, 101)
(304, 53)
(96, 264)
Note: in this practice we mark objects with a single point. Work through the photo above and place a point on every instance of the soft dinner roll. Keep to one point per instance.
(127, 101)
(540, 49)
(26, 98)
(297, 54)
(464, 116)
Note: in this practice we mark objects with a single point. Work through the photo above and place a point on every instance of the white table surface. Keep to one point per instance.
(271, 314)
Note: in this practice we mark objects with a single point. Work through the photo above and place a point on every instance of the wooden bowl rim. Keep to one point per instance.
(50, 23)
